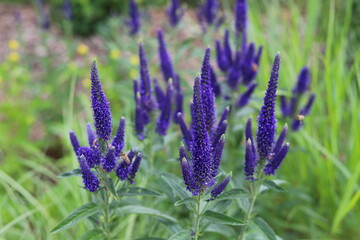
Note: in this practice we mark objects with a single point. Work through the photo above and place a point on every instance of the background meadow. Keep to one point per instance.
(45, 91)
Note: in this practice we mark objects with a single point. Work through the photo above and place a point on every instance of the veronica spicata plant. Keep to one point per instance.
(103, 163)
(264, 157)
(201, 155)
(290, 108)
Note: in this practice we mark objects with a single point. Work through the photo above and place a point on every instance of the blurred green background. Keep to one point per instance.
(44, 92)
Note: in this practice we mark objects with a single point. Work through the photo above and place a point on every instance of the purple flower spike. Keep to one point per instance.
(119, 139)
(90, 180)
(185, 131)
(159, 93)
(175, 12)
(267, 119)
(306, 110)
(220, 130)
(123, 169)
(249, 69)
(109, 161)
(297, 123)
(214, 83)
(210, 10)
(280, 141)
(207, 93)
(275, 162)
(217, 153)
(248, 135)
(284, 106)
(134, 18)
(91, 135)
(139, 120)
(201, 148)
(248, 130)
(227, 47)
(293, 105)
(303, 81)
(134, 168)
(145, 83)
(250, 160)
(235, 72)
(240, 16)
(245, 97)
(179, 99)
(219, 188)
(165, 115)
(188, 177)
(182, 152)
(100, 106)
(74, 141)
(221, 58)
(165, 59)
(91, 156)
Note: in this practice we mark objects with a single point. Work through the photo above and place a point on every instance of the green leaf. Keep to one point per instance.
(92, 234)
(144, 210)
(184, 201)
(110, 185)
(176, 187)
(272, 185)
(220, 218)
(137, 191)
(179, 191)
(183, 235)
(76, 216)
(265, 228)
(75, 172)
(221, 229)
(231, 194)
(221, 205)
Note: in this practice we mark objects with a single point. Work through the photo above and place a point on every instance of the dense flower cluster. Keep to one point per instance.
(169, 102)
(240, 65)
(103, 155)
(267, 153)
(200, 158)
(291, 107)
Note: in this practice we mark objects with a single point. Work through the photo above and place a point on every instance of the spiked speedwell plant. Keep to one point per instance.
(98, 161)
(266, 156)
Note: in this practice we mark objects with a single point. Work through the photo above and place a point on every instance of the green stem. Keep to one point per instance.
(254, 189)
(106, 217)
(197, 216)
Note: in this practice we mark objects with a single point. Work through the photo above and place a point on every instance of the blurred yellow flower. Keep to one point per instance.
(14, 57)
(13, 44)
(86, 82)
(115, 54)
(133, 73)
(82, 49)
(134, 60)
